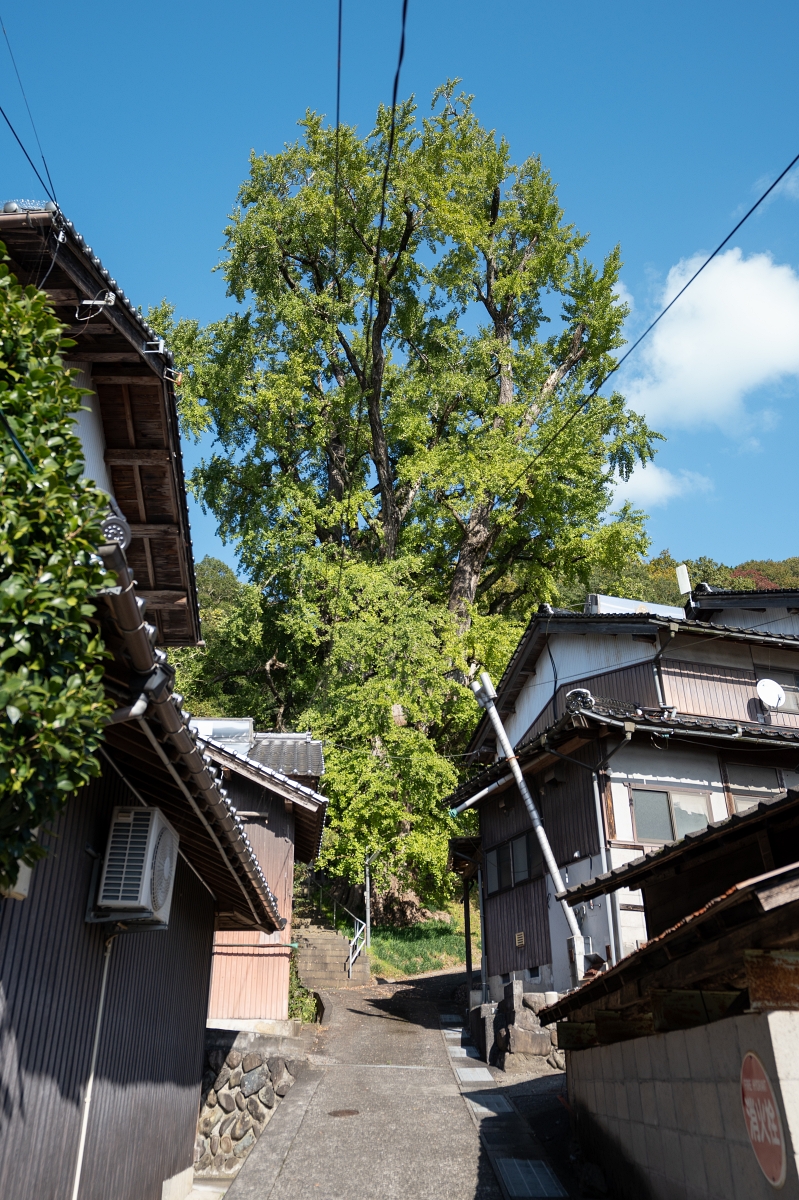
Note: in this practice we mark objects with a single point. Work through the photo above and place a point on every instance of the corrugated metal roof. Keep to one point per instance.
(293, 754)
(649, 957)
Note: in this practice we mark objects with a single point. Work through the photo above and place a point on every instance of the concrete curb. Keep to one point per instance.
(265, 1161)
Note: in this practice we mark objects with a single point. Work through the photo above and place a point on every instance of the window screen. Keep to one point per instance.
(503, 866)
(519, 854)
(535, 856)
(652, 816)
(492, 877)
(689, 810)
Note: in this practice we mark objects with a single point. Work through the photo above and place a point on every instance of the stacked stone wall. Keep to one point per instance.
(243, 1085)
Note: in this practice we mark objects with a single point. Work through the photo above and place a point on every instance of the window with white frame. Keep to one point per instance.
(513, 862)
(667, 815)
(750, 784)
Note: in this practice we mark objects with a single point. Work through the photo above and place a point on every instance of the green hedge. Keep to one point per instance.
(51, 699)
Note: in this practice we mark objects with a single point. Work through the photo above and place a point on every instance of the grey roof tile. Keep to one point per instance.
(294, 754)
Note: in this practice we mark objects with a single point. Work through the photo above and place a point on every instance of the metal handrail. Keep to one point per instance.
(356, 944)
(357, 941)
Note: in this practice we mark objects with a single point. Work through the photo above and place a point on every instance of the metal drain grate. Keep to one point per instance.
(529, 1177)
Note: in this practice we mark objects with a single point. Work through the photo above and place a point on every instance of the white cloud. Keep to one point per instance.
(651, 486)
(735, 330)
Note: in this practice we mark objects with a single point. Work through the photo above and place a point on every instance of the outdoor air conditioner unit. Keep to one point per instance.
(139, 867)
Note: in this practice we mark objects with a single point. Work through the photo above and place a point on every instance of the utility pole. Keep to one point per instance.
(467, 933)
(577, 945)
(368, 895)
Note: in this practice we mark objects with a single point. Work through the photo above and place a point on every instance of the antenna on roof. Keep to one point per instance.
(683, 580)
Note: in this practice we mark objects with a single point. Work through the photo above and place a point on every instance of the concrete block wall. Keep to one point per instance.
(663, 1116)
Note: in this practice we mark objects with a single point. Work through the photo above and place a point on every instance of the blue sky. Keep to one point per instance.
(660, 123)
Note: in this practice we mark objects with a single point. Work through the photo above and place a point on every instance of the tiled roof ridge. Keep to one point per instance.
(60, 221)
(270, 772)
(607, 711)
(156, 678)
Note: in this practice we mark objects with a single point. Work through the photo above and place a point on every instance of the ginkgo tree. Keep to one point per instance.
(400, 382)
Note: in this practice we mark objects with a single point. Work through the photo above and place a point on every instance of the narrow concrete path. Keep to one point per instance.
(391, 1109)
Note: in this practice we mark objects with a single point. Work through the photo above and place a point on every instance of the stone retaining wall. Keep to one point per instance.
(243, 1083)
(510, 1033)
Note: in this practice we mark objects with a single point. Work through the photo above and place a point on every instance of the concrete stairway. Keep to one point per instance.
(323, 956)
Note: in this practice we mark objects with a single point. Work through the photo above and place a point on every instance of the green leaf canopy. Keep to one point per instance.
(384, 398)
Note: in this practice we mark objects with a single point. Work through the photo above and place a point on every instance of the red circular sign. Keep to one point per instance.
(763, 1121)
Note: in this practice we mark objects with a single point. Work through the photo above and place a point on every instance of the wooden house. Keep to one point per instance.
(634, 724)
(103, 1004)
(271, 780)
(681, 1059)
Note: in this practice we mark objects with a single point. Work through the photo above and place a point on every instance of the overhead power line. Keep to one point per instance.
(583, 403)
(373, 288)
(338, 135)
(21, 145)
(51, 192)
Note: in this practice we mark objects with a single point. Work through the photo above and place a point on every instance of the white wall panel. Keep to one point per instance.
(89, 428)
(771, 620)
(685, 768)
(576, 657)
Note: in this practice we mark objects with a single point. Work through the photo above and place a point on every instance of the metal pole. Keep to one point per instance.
(485, 696)
(87, 1099)
(368, 897)
(467, 933)
(483, 948)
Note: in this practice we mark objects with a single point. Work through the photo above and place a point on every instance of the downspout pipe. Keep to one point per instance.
(483, 946)
(576, 944)
(492, 787)
(87, 1098)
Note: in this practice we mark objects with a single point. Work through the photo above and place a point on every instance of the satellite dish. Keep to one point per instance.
(770, 693)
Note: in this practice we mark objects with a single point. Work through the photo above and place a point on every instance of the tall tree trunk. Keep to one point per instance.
(478, 538)
(389, 512)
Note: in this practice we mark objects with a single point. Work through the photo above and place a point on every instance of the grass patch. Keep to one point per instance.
(428, 946)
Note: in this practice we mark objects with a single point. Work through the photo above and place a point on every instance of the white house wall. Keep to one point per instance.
(690, 770)
(595, 919)
(771, 620)
(89, 428)
(576, 657)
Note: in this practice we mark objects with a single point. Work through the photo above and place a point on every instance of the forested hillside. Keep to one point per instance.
(655, 580)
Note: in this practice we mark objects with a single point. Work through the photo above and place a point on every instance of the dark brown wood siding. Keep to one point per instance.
(634, 685)
(147, 1086)
(522, 909)
(568, 810)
